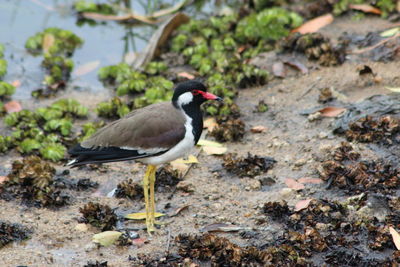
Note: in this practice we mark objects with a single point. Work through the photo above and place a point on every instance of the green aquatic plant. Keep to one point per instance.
(44, 131)
(3, 62)
(57, 46)
(6, 89)
(54, 41)
(115, 108)
(90, 6)
(386, 6)
(269, 24)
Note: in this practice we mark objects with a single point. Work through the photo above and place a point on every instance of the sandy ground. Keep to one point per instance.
(295, 142)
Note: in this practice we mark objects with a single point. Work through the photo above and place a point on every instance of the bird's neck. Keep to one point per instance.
(194, 112)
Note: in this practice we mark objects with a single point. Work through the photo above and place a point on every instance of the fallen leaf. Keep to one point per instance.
(159, 38)
(3, 179)
(141, 215)
(139, 241)
(48, 41)
(180, 167)
(293, 184)
(366, 8)
(221, 227)
(278, 69)
(395, 236)
(86, 68)
(16, 83)
(398, 6)
(390, 32)
(106, 238)
(393, 89)
(186, 75)
(210, 124)
(12, 106)
(297, 65)
(212, 150)
(179, 210)
(204, 142)
(82, 227)
(302, 204)
(331, 111)
(306, 180)
(190, 159)
(241, 49)
(258, 129)
(315, 24)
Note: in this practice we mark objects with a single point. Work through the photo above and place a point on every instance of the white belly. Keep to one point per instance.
(178, 151)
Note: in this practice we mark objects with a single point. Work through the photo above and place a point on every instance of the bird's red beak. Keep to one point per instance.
(210, 96)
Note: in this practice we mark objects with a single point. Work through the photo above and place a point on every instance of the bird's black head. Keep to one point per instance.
(192, 92)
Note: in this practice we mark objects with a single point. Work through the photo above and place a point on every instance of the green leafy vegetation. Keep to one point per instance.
(45, 131)
(386, 6)
(57, 46)
(114, 108)
(90, 6)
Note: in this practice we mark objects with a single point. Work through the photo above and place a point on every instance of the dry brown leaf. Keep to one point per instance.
(211, 150)
(366, 9)
(258, 129)
(128, 17)
(159, 38)
(398, 6)
(48, 41)
(331, 111)
(180, 167)
(139, 241)
(241, 49)
(179, 210)
(315, 24)
(297, 65)
(306, 180)
(86, 68)
(16, 83)
(210, 124)
(302, 204)
(395, 236)
(221, 227)
(293, 184)
(186, 75)
(3, 179)
(12, 106)
(278, 69)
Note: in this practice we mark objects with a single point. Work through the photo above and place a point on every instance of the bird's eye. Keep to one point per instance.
(196, 92)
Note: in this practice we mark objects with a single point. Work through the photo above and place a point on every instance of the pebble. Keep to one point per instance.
(82, 227)
(300, 162)
(323, 135)
(91, 246)
(287, 192)
(185, 186)
(251, 184)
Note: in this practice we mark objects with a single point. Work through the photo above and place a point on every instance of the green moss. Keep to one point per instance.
(115, 108)
(90, 6)
(89, 128)
(5, 143)
(3, 67)
(6, 89)
(60, 42)
(386, 6)
(28, 145)
(269, 24)
(53, 151)
(155, 67)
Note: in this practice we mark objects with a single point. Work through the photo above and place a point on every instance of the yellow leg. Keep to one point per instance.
(148, 186)
(152, 196)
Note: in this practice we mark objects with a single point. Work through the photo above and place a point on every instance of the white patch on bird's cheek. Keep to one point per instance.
(185, 99)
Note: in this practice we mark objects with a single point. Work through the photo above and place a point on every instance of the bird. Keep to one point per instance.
(154, 135)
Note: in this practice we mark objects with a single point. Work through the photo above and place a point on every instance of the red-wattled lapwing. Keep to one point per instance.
(154, 135)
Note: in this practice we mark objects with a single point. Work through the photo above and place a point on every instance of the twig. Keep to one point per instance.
(167, 11)
(307, 91)
(39, 3)
(168, 241)
(369, 48)
(132, 16)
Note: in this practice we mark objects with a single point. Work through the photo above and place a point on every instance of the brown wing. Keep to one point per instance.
(156, 126)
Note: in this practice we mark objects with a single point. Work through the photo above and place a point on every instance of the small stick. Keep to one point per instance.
(369, 48)
(168, 241)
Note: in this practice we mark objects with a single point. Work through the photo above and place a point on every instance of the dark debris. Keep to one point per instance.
(348, 171)
(249, 166)
(129, 189)
(100, 216)
(315, 46)
(10, 232)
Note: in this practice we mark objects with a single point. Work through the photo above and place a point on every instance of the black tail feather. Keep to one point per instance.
(84, 155)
